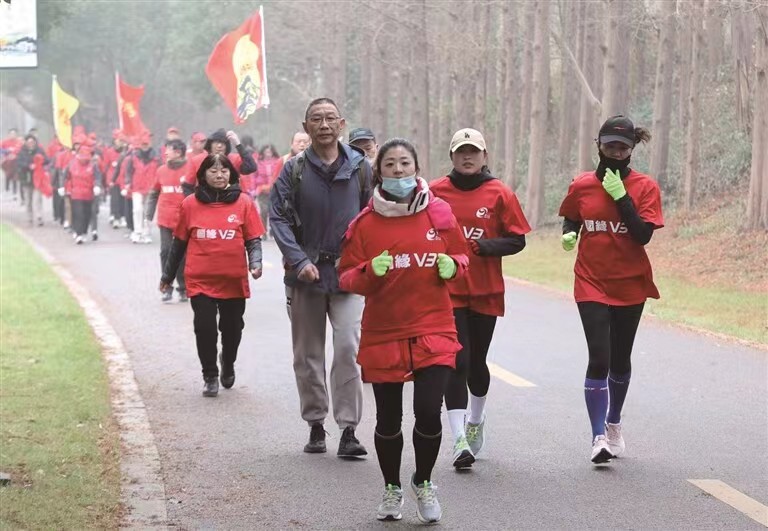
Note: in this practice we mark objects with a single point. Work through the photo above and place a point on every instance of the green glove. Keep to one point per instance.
(382, 263)
(446, 266)
(569, 240)
(613, 185)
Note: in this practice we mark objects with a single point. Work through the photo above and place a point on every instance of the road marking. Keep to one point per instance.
(739, 501)
(508, 377)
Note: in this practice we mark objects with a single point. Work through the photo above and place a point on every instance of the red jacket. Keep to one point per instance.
(81, 179)
(41, 179)
(168, 183)
(109, 158)
(408, 321)
(142, 177)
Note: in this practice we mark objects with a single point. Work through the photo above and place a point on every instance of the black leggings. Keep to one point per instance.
(81, 216)
(428, 388)
(610, 333)
(230, 324)
(475, 331)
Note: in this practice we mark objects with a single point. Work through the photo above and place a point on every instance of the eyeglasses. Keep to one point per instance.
(318, 119)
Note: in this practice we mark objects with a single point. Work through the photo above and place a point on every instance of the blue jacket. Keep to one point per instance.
(328, 199)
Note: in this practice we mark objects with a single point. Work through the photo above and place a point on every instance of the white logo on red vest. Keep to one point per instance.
(473, 233)
(232, 218)
(599, 225)
(213, 234)
(482, 213)
(403, 261)
(432, 235)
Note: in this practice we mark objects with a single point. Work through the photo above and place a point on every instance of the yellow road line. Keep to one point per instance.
(508, 377)
(739, 501)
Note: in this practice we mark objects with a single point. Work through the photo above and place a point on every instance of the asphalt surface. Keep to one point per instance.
(697, 409)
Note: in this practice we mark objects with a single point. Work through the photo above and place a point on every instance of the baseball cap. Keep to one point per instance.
(361, 133)
(618, 128)
(465, 136)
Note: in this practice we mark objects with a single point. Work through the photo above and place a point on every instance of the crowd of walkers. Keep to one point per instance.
(407, 269)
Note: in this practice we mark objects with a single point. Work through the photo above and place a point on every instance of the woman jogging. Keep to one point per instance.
(494, 225)
(217, 226)
(616, 209)
(401, 252)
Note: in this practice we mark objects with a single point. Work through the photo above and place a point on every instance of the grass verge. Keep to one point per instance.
(728, 309)
(58, 440)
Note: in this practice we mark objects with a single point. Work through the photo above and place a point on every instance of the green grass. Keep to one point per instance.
(57, 437)
(727, 310)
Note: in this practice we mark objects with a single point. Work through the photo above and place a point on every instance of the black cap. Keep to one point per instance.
(361, 133)
(618, 128)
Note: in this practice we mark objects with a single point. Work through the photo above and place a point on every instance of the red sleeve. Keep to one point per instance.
(252, 226)
(182, 228)
(355, 271)
(512, 218)
(649, 207)
(456, 248)
(278, 169)
(570, 205)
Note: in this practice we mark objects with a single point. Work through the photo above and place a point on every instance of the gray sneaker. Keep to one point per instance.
(476, 436)
(391, 506)
(427, 507)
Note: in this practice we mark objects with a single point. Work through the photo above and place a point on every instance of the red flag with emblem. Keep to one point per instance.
(128, 100)
(237, 68)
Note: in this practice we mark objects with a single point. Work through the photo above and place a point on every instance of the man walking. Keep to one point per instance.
(313, 200)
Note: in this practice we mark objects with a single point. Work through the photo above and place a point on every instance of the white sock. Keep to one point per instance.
(477, 405)
(456, 420)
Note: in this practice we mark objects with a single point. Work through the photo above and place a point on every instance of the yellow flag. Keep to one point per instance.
(64, 107)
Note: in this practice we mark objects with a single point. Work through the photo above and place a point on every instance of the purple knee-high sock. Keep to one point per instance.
(617, 389)
(596, 396)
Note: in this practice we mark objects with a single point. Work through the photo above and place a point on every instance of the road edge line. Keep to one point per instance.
(734, 498)
(142, 490)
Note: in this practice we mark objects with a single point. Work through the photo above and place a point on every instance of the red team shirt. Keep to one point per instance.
(411, 300)
(168, 183)
(611, 267)
(216, 234)
(489, 211)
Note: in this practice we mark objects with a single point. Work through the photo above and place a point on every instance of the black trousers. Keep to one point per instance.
(230, 325)
(128, 212)
(58, 207)
(475, 331)
(166, 239)
(610, 333)
(81, 215)
(116, 202)
(428, 388)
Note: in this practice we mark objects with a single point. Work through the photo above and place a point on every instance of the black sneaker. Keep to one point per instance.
(349, 446)
(227, 374)
(316, 444)
(167, 296)
(211, 387)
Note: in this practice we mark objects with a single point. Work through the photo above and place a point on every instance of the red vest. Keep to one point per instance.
(81, 180)
(171, 195)
(143, 175)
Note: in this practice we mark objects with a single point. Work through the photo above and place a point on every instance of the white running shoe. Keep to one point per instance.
(79, 240)
(462, 454)
(476, 436)
(601, 453)
(427, 507)
(135, 237)
(615, 440)
(391, 505)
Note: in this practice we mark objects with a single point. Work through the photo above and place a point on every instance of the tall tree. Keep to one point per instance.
(420, 88)
(511, 104)
(569, 96)
(526, 68)
(757, 201)
(538, 119)
(693, 131)
(616, 77)
(662, 94)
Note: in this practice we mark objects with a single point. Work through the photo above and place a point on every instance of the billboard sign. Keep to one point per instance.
(18, 33)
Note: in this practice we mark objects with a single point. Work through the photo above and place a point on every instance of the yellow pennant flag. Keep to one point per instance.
(64, 107)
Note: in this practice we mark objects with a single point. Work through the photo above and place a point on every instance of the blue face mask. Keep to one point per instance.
(399, 187)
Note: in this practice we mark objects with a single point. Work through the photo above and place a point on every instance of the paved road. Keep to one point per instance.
(697, 409)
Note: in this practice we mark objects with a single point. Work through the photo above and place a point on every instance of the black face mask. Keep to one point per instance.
(622, 166)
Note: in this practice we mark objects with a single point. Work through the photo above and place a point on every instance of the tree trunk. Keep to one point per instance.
(757, 201)
(742, 33)
(366, 87)
(420, 91)
(569, 96)
(500, 83)
(616, 80)
(511, 103)
(589, 116)
(694, 126)
(482, 63)
(662, 95)
(684, 65)
(527, 70)
(535, 192)
(379, 94)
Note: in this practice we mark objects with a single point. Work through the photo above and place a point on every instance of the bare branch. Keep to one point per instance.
(596, 104)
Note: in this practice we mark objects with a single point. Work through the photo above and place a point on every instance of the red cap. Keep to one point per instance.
(199, 137)
(84, 151)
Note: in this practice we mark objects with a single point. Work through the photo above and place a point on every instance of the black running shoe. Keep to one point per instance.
(316, 444)
(349, 446)
(211, 387)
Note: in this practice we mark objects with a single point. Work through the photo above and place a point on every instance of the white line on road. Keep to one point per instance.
(739, 501)
(505, 376)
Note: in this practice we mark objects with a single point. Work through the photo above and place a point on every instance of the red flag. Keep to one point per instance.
(128, 99)
(237, 68)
